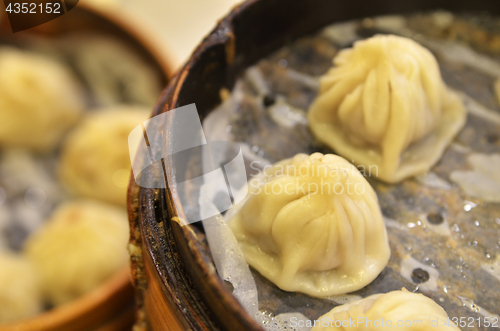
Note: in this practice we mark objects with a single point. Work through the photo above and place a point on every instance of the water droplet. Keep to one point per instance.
(469, 205)
(469, 304)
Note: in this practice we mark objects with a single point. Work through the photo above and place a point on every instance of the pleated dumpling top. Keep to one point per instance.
(398, 310)
(312, 224)
(385, 105)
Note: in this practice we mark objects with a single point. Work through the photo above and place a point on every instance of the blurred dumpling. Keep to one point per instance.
(19, 288)
(385, 104)
(81, 245)
(39, 100)
(95, 160)
(401, 310)
(313, 224)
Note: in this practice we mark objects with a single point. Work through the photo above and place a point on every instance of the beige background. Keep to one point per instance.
(177, 25)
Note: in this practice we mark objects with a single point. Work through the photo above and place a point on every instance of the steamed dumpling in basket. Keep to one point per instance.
(399, 310)
(81, 245)
(40, 100)
(95, 161)
(312, 224)
(385, 105)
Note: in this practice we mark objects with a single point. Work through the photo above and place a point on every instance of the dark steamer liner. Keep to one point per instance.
(177, 287)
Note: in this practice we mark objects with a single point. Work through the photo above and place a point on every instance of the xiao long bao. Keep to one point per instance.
(40, 99)
(312, 224)
(384, 103)
(80, 246)
(401, 310)
(95, 160)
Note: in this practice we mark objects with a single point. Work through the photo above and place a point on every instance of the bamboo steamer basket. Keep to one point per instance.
(177, 285)
(110, 306)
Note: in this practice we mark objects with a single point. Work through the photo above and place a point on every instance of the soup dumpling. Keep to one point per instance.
(312, 224)
(81, 245)
(95, 160)
(39, 100)
(411, 311)
(384, 103)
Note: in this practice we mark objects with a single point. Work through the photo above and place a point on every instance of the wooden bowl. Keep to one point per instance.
(177, 282)
(107, 307)
(110, 306)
